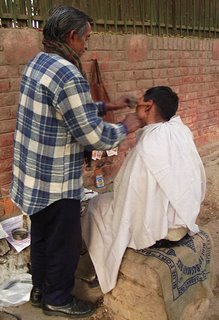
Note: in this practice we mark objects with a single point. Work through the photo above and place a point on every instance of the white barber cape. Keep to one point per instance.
(160, 186)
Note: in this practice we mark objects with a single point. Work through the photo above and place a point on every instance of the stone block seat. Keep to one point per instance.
(174, 282)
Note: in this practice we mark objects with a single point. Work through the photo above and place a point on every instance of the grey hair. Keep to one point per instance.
(62, 20)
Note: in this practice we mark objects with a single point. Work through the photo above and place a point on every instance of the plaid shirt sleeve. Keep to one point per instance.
(80, 114)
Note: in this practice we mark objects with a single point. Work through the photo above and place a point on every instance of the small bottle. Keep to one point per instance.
(99, 178)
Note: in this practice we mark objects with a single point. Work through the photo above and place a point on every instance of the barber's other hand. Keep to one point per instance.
(132, 122)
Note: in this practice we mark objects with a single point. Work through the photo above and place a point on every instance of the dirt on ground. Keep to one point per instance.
(209, 217)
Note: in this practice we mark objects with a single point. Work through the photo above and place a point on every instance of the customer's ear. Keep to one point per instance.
(148, 105)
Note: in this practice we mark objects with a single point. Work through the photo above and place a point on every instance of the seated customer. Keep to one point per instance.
(157, 191)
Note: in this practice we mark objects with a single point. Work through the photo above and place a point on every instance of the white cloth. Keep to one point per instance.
(160, 185)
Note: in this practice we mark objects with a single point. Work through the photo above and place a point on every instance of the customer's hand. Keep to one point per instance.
(132, 122)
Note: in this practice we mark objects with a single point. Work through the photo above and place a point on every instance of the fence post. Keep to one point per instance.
(174, 15)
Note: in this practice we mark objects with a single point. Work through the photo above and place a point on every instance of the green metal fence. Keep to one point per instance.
(157, 17)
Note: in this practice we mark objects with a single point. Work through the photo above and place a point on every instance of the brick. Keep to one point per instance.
(211, 122)
(5, 165)
(95, 42)
(110, 87)
(136, 48)
(126, 86)
(87, 67)
(163, 64)
(148, 74)
(109, 42)
(119, 55)
(8, 72)
(6, 152)
(10, 208)
(15, 84)
(215, 51)
(121, 42)
(134, 75)
(3, 72)
(119, 75)
(110, 66)
(1, 44)
(144, 84)
(25, 41)
(108, 76)
(4, 190)
(21, 69)
(99, 55)
(6, 139)
(7, 126)
(2, 59)
(4, 86)
(7, 99)
(5, 178)
(161, 82)
(8, 113)
(165, 43)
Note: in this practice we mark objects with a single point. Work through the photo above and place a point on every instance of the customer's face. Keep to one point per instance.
(77, 42)
(141, 109)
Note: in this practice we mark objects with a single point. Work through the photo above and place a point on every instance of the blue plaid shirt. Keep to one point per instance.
(56, 120)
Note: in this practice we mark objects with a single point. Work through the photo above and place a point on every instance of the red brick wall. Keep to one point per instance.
(129, 64)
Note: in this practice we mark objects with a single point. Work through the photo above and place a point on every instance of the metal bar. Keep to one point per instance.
(193, 22)
(167, 18)
(116, 15)
(180, 9)
(125, 17)
(29, 12)
(134, 16)
(94, 16)
(209, 20)
(158, 16)
(188, 11)
(204, 25)
(13, 10)
(151, 18)
(105, 18)
(174, 16)
(2, 5)
(142, 15)
(215, 18)
(199, 19)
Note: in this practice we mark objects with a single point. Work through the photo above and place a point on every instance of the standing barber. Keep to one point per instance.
(57, 119)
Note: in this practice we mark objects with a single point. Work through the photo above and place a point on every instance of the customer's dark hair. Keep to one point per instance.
(165, 99)
(62, 20)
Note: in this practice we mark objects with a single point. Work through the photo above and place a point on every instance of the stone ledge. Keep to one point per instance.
(138, 294)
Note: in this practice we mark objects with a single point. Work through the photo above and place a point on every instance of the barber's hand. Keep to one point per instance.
(132, 122)
(121, 103)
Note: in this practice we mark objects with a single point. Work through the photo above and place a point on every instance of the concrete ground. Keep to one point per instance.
(209, 217)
